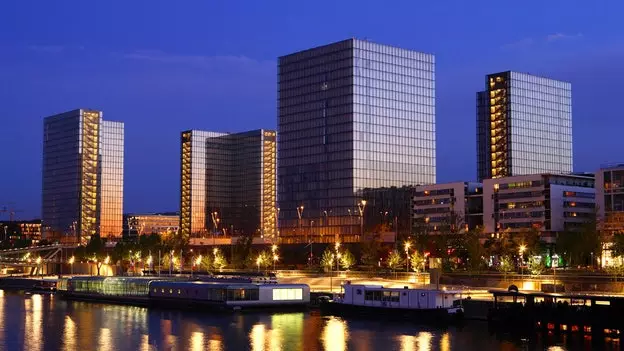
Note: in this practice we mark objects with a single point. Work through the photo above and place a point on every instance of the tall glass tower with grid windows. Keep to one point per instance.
(353, 115)
(524, 126)
(228, 183)
(83, 158)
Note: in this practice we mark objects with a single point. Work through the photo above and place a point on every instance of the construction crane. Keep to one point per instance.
(10, 211)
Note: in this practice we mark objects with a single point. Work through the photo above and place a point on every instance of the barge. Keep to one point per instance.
(532, 311)
(226, 294)
(417, 305)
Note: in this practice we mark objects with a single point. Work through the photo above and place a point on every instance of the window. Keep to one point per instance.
(287, 294)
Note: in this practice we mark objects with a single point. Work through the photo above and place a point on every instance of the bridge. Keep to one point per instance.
(25, 257)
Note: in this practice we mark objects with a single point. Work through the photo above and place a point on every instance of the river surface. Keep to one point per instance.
(45, 322)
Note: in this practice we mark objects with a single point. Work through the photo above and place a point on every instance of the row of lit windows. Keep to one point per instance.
(520, 205)
(579, 194)
(579, 204)
(513, 215)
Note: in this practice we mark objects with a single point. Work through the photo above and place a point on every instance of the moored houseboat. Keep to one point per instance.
(418, 305)
(528, 311)
(225, 294)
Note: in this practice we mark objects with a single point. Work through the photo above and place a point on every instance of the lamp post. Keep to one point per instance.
(521, 250)
(299, 214)
(275, 258)
(407, 247)
(71, 264)
(258, 261)
(361, 207)
(554, 262)
(337, 255)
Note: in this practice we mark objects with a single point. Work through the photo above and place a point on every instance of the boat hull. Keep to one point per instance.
(425, 316)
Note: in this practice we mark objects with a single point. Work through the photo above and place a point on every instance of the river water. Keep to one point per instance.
(45, 322)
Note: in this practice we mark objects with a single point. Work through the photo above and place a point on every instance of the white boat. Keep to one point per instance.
(420, 305)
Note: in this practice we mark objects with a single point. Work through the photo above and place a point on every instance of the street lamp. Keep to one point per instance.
(299, 214)
(521, 250)
(407, 247)
(361, 207)
(258, 261)
(338, 257)
(71, 264)
(275, 258)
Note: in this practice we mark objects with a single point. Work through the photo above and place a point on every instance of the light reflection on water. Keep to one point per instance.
(42, 322)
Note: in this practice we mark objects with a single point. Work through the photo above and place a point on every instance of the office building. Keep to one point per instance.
(524, 126)
(610, 198)
(549, 203)
(387, 210)
(352, 115)
(21, 230)
(228, 183)
(450, 207)
(163, 224)
(83, 162)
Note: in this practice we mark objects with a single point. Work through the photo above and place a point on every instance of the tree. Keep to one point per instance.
(617, 246)
(417, 261)
(475, 252)
(394, 260)
(505, 265)
(530, 238)
(536, 265)
(95, 251)
(327, 260)
(205, 263)
(219, 262)
(265, 259)
(583, 244)
(370, 252)
(347, 260)
(616, 269)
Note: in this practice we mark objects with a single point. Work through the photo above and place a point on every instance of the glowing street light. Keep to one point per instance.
(71, 264)
(275, 258)
(258, 261)
(274, 248)
(407, 247)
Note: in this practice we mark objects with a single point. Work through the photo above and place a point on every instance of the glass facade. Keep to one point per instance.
(228, 183)
(112, 171)
(352, 115)
(82, 175)
(524, 126)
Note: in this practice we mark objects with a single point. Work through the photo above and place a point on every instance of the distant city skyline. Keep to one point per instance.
(211, 67)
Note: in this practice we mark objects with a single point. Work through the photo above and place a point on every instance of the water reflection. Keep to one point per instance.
(39, 322)
(335, 334)
(32, 322)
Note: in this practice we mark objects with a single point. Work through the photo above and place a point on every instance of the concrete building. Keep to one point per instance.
(83, 163)
(228, 183)
(352, 115)
(455, 207)
(524, 126)
(548, 202)
(610, 198)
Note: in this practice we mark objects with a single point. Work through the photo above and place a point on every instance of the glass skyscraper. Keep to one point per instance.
(228, 183)
(353, 115)
(524, 126)
(83, 159)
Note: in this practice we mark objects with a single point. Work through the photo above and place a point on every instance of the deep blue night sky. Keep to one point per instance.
(166, 66)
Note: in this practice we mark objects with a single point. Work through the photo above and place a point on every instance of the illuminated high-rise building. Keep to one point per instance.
(524, 126)
(228, 183)
(83, 158)
(353, 115)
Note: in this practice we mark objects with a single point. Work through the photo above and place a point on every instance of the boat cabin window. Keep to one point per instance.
(288, 294)
(392, 296)
(242, 295)
(374, 295)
